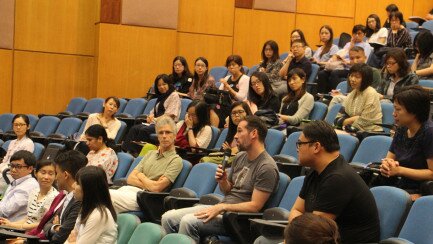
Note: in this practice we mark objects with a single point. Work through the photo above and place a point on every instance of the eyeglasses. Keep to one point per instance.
(297, 46)
(299, 143)
(17, 166)
(390, 63)
(18, 125)
(238, 113)
(258, 82)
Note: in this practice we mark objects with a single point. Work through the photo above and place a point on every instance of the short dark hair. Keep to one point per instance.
(28, 157)
(71, 161)
(255, 123)
(391, 8)
(416, 100)
(366, 73)
(309, 228)
(237, 59)
(357, 49)
(42, 163)
(275, 55)
(396, 14)
(322, 132)
(357, 28)
(298, 41)
(116, 101)
(400, 57)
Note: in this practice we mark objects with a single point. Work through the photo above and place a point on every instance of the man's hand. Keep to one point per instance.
(220, 175)
(210, 213)
(389, 167)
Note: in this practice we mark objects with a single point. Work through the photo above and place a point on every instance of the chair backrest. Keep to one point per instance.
(134, 107)
(180, 179)
(284, 55)
(426, 83)
(5, 145)
(410, 25)
(218, 72)
(201, 179)
(221, 138)
(392, 204)
(372, 149)
(124, 163)
(387, 117)
(246, 69)
(33, 121)
(292, 192)
(1, 142)
(319, 111)
(126, 224)
(428, 25)
(274, 141)
(342, 86)
(314, 71)
(6, 122)
(348, 145)
(68, 126)
(344, 38)
(184, 105)
(76, 105)
(147, 233)
(133, 165)
(214, 139)
(94, 105)
(253, 69)
(418, 228)
(276, 197)
(289, 147)
(149, 106)
(122, 105)
(332, 113)
(81, 130)
(47, 125)
(120, 132)
(176, 238)
(39, 149)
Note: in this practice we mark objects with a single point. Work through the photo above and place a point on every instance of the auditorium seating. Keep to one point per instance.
(6, 122)
(126, 224)
(371, 149)
(133, 108)
(147, 233)
(93, 105)
(75, 106)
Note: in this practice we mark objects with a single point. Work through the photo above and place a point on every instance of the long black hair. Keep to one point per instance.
(202, 111)
(183, 61)
(232, 127)
(94, 184)
(197, 82)
(327, 45)
(292, 96)
(26, 120)
(423, 41)
(369, 31)
(268, 91)
(275, 52)
(301, 34)
(97, 131)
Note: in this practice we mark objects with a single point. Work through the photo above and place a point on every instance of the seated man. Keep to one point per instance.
(253, 178)
(13, 206)
(296, 59)
(156, 171)
(333, 189)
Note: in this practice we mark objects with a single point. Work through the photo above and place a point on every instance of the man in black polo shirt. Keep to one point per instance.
(296, 59)
(333, 189)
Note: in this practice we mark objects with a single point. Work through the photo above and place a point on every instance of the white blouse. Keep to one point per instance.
(16, 145)
(383, 32)
(36, 209)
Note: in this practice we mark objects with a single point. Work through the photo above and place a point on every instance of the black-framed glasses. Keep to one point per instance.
(17, 166)
(299, 143)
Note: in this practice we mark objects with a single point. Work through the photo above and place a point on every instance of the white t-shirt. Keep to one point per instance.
(383, 32)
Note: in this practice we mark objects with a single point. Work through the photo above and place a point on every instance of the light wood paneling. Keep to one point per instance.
(7, 13)
(215, 49)
(341, 8)
(130, 58)
(44, 83)
(422, 7)
(5, 80)
(310, 25)
(59, 26)
(208, 17)
(366, 7)
(254, 27)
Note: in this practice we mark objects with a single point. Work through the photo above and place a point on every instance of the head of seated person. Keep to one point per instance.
(45, 173)
(234, 65)
(411, 106)
(298, 49)
(260, 91)
(297, 87)
(180, 70)
(67, 165)
(21, 164)
(166, 132)
(358, 33)
(110, 107)
(396, 20)
(96, 138)
(297, 34)
(310, 228)
(21, 126)
(238, 112)
(396, 64)
(423, 44)
(164, 86)
(357, 55)
(270, 52)
(196, 119)
(372, 24)
(360, 76)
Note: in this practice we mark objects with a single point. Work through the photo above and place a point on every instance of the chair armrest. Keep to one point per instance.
(179, 202)
(170, 202)
(211, 199)
(237, 225)
(395, 240)
(12, 229)
(6, 234)
(276, 213)
(118, 183)
(270, 228)
(291, 169)
(152, 205)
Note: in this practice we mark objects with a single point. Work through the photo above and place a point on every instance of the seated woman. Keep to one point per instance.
(397, 74)
(181, 76)
(261, 96)
(105, 118)
(423, 64)
(101, 154)
(96, 221)
(398, 35)
(362, 108)
(167, 102)
(202, 80)
(298, 103)
(271, 65)
(297, 34)
(375, 33)
(40, 199)
(328, 49)
(410, 156)
(236, 83)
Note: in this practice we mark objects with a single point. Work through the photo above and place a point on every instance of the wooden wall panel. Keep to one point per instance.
(215, 49)
(150, 13)
(7, 13)
(244, 4)
(44, 83)
(341, 8)
(248, 40)
(59, 26)
(110, 11)
(207, 17)
(310, 25)
(130, 58)
(364, 8)
(421, 7)
(5, 80)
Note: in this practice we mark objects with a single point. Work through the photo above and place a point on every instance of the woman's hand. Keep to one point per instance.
(4, 221)
(188, 121)
(226, 85)
(150, 118)
(225, 145)
(283, 117)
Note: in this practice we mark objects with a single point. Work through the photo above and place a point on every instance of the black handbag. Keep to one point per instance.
(216, 96)
(268, 116)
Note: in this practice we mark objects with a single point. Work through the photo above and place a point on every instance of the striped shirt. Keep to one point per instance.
(37, 208)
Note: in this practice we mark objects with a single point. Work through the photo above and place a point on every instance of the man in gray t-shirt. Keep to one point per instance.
(253, 178)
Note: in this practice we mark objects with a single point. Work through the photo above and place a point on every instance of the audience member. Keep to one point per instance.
(390, 9)
(13, 205)
(298, 103)
(59, 220)
(375, 33)
(167, 103)
(96, 221)
(429, 16)
(253, 178)
(423, 63)
(397, 73)
(333, 189)
(156, 171)
(202, 80)
(271, 65)
(261, 96)
(236, 83)
(297, 34)
(362, 108)
(398, 35)
(181, 76)
(39, 199)
(296, 59)
(410, 157)
(328, 49)
(101, 154)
